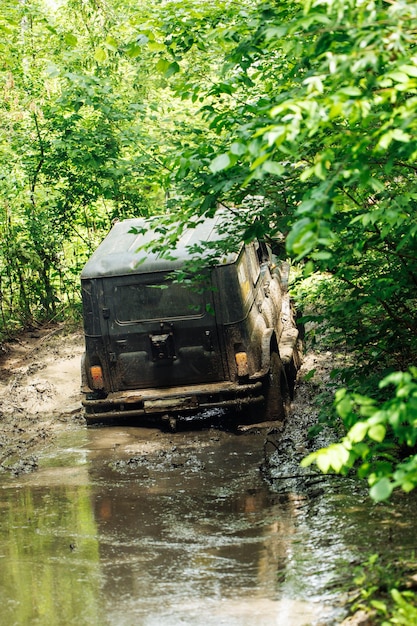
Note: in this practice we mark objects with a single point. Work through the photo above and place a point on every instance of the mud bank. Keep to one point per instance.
(39, 393)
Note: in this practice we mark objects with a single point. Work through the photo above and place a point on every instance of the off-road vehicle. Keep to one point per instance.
(158, 348)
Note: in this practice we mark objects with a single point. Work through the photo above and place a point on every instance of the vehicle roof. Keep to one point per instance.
(122, 252)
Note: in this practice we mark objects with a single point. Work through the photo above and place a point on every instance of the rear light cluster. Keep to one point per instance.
(97, 379)
(241, 359)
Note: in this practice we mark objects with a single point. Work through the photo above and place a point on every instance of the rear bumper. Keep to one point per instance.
(172, 401)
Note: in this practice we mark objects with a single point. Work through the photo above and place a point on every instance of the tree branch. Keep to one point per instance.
(40, 162)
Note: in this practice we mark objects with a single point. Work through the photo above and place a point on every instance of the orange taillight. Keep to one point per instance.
(97, 377)
(242, 363)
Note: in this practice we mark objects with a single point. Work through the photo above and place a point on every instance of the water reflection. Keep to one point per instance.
(132, 527)
(189, 530)
(139, 527)
(49, 554)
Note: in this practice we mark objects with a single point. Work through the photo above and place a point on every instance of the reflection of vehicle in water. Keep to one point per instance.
(156, 347)
(188, 529)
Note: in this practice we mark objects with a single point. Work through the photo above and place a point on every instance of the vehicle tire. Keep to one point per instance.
(291, 370)
(277, 399)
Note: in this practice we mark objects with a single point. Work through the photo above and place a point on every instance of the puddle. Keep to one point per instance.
(127, 526)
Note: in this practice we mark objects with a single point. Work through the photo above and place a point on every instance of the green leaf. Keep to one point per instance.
(71, 40)
(344, 407)
(399, 77)
(377, 432)
(379, 605)
(162, 65)
(272, 167)
(308, 268)
(399, 135)
(100, 55)
(309, 460)
(309, 375)
(381, 490)
(410, 70)
(238, 148)
(322, 255)
(350, 91)
(358, 432)
(111, 43)
(323, 461)
(221, 162)
(172, 69)
(338, 455)
(133, 50)
(396, 378)
(156, 47)
(408, 485)
(302, 237)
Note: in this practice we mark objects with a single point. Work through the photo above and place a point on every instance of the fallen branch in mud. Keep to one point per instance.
(317, 477)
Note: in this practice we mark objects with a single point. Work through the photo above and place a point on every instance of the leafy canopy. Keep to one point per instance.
(314, 108)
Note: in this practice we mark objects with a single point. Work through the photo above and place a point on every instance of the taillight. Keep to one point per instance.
(242, 364)
(97, 377)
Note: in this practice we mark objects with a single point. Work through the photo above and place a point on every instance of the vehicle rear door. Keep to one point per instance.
(160, 333)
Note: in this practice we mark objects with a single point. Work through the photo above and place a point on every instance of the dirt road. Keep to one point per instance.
(39, 393)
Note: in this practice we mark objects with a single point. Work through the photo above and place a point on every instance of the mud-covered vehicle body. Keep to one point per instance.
(158, 348)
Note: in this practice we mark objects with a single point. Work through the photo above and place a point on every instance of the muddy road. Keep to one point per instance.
(126, 526)
(39, 393)
(131, 525)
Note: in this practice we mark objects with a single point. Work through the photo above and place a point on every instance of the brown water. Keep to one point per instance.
(127, 526)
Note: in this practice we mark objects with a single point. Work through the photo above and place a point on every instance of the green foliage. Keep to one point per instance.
(405, 610)
(73, 150)
(314, 108)
(375, 434)
(379, 587)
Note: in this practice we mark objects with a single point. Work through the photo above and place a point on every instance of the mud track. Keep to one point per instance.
(40, 397)
(39, 393)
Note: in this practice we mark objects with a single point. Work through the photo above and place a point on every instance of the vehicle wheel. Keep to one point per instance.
(276, 391)
(291, 370)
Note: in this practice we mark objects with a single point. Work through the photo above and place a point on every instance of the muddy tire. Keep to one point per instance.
(277, 398)
(291, 370)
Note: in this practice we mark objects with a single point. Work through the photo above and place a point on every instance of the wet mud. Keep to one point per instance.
(134, 526)
(39, 393)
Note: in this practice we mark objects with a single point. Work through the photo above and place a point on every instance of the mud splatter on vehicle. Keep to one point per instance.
(159, 348)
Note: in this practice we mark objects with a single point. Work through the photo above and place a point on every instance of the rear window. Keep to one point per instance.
(140, 302)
